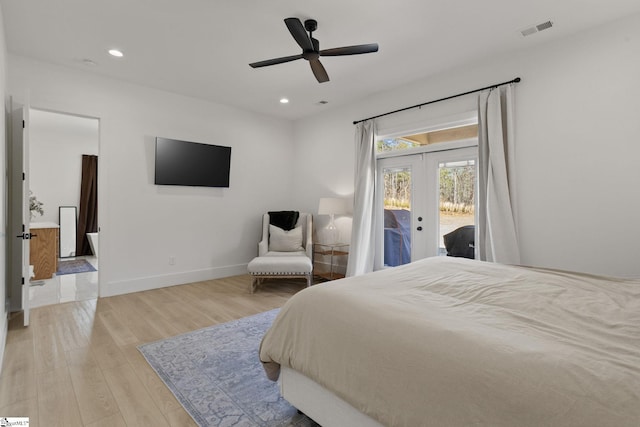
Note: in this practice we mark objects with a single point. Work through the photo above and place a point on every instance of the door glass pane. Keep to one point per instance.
(397, 216)
(457, 208)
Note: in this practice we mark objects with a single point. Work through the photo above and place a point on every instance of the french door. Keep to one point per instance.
(420, 198)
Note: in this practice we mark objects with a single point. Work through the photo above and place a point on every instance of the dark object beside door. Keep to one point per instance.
(461, 242)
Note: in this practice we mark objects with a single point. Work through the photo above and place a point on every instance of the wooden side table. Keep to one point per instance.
(333, 251)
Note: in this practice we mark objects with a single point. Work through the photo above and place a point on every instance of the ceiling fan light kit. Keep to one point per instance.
(311, 48)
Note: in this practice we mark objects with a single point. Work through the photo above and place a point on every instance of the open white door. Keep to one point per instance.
(19, 213)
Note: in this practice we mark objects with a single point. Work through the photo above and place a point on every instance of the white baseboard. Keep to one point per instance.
(165, 280)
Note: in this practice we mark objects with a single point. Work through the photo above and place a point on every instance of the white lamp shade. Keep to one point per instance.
(332, 205)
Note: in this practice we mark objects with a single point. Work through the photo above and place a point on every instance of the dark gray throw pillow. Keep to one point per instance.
(284, 219)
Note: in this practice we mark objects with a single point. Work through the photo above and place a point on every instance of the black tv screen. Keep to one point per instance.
(191, 163)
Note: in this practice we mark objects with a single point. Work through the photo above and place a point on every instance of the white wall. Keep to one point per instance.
(577, 139)
(3, 191)
(578, 144)
(211, 232)
(56, 145)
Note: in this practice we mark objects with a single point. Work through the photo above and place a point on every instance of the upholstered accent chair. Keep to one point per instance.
(283, 253)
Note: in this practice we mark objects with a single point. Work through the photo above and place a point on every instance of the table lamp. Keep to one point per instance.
(332, 206)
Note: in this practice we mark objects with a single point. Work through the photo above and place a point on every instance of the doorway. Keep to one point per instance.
(421, 197)
(57, 144)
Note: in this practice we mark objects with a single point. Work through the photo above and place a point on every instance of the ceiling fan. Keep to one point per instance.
(311, 48)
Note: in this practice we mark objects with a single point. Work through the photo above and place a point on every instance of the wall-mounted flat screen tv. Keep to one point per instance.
(191, 163)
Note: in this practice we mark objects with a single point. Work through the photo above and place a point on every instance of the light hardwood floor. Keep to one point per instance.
(78, 365)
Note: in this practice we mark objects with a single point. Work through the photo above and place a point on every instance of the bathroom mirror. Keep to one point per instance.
(67, 231)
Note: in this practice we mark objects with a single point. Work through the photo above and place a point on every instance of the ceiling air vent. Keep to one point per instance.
(536, 28)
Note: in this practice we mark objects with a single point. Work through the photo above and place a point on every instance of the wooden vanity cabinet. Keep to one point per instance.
(43, 251)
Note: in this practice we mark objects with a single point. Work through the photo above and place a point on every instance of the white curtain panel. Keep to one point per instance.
(497, 230)
(362, 250)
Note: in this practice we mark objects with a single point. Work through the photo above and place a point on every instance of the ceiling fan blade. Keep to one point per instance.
(299, 33)
(350, 50)
(275, 61)
(319, 71)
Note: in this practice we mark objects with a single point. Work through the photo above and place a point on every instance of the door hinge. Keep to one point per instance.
(23, 176)
(22, 281)
(23, 124)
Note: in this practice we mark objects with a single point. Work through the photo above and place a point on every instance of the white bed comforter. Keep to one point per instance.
(455, 342)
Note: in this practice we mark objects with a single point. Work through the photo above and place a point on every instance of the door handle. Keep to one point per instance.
(26, 236)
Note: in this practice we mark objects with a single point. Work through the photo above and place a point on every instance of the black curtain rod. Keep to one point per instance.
(516, 80)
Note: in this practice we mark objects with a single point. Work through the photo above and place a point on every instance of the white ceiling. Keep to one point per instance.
(202, 48)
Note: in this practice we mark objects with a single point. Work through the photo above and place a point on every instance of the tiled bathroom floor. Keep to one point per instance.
(65, 288)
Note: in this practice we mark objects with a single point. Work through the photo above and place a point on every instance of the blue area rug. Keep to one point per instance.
(216, 374)
(74, 266)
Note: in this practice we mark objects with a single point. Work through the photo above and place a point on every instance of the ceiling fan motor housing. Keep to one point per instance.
(310, 55)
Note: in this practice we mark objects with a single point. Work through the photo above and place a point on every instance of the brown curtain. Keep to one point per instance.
(88, 212)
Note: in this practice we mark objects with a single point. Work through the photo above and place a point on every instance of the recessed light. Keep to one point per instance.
(284, 101)
(115, 52)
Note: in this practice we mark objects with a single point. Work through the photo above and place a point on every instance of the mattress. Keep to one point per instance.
(457, 342)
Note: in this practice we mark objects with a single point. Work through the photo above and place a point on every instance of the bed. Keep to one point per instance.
(457, 342)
